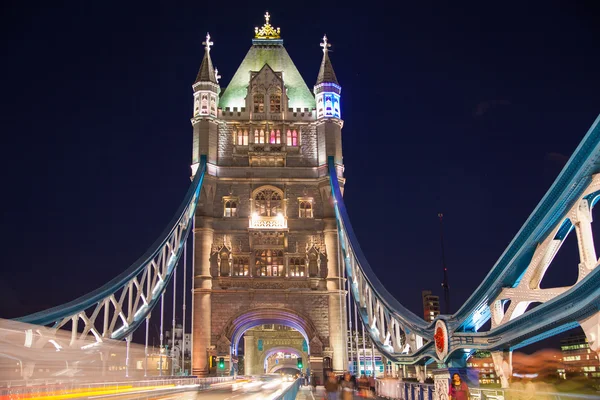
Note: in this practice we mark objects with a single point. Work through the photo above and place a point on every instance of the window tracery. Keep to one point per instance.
(240, 266)
(259, 103)
(292, 137)
(230, 206)
(275, 137)
(268, 202)
(259, 136)
(269, 262)
(305, 208)
(297, 267)
(242, 137)
(275, 103)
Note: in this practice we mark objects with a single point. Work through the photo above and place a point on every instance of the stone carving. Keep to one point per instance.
(316, 346)
(223, 345)
(269, 283)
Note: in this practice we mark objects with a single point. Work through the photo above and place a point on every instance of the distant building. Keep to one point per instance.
(483, 363)
(578, 358)
(431, 305)
(175, 347)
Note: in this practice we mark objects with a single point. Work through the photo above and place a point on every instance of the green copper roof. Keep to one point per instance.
(274, 54)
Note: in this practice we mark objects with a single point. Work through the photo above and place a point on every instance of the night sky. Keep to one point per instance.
(470, 110)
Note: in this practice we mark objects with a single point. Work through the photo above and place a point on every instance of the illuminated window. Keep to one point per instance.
(242, 137)
(268, 202)
(240, 266)
(275, 137)
(292, 137)
(269, 263)
(259, 136)
(275, 103)
(230, 208)
(297, 267)
(305, 209)
(259, 103)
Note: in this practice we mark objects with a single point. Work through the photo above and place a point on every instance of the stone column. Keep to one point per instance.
(441, 381)
(249, 347)
(201, 325)
(337, 299)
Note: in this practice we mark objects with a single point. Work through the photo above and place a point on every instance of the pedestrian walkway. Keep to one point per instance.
(305, 393)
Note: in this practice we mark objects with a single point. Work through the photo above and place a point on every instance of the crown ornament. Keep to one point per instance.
(267, 31)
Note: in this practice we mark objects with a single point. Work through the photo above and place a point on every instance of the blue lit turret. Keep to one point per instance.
(329, 116)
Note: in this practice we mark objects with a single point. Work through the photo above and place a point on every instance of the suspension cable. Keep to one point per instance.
(184, 312)
(173, 324)
(162, 318)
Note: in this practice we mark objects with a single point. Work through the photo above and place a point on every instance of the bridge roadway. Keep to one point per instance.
(215, 394)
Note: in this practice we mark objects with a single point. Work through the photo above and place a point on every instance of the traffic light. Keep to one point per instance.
(212, 361)
(221, 363)
(299, 363)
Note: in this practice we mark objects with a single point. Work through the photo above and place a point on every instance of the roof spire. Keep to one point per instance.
(206, 72)
(326, 73)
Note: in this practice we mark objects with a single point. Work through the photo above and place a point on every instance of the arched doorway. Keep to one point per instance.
(283, 357)
(301, 336)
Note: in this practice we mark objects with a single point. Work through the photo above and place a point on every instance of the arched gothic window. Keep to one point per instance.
(268, 203)
(240, 266)
(297, 267)
(259, 103)
(230, 208)
(275, 103)
(259, 136)
(305, 209)
(242, 137)
(292, 137)
(269, 263)
(275, 137)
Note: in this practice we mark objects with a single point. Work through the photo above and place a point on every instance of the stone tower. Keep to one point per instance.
(265, 238)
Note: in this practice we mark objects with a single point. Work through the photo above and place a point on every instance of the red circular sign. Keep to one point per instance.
(439, 339)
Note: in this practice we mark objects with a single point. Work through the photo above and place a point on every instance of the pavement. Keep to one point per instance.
(305, 393)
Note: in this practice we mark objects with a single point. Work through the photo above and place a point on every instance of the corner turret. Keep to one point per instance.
(206, 99)
(327, 89)
(206, 86)
(329, 123)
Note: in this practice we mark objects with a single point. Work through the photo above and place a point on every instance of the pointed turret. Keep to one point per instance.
(326, 73)
(329, 123)
(206, 86)
(206, 99)
(206, 73)
(327, 89)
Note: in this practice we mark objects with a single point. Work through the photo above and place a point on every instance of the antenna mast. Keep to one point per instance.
(445, 282)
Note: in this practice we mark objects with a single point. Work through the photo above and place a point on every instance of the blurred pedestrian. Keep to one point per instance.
(458, 389)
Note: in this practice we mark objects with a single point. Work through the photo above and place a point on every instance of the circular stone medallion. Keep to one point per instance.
(440, 337)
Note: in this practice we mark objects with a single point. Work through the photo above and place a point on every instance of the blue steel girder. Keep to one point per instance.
(117, 308)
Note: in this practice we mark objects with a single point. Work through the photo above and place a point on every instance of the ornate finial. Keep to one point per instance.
(325, 45)
(207, 43)
(217, 76)
(267, 31)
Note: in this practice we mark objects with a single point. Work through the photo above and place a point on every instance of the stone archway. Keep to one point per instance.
(228, 342)
(292, 363)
